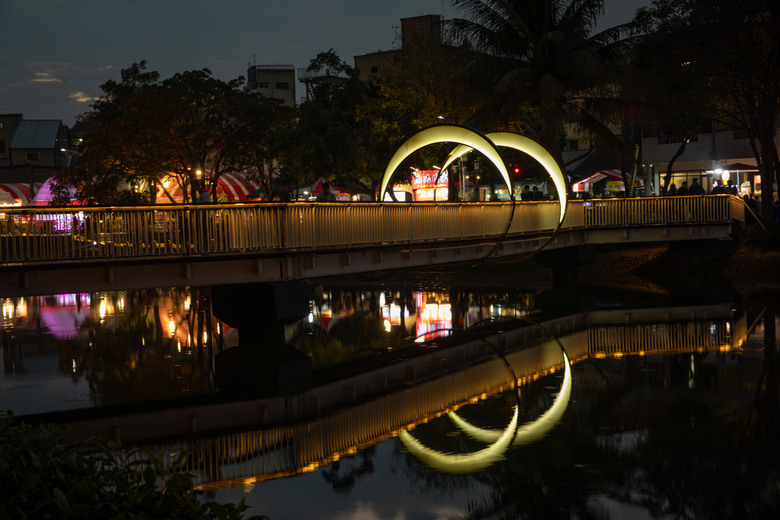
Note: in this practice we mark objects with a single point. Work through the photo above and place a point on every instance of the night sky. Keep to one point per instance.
(55, 54)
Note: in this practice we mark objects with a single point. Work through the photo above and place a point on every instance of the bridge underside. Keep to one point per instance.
(38, 279)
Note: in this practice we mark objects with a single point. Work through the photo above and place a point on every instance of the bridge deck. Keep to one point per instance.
(113, 246)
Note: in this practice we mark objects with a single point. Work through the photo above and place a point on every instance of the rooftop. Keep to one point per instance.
(35, 133)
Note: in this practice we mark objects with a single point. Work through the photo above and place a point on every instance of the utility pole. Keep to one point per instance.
(32, 184)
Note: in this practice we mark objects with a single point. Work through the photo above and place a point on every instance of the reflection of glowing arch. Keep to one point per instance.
(479, 460)
(462, 462)
(530, 147)
(445, 134)
(528, 432)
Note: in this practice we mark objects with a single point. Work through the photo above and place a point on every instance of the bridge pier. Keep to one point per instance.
(262, 365)
(565, 262)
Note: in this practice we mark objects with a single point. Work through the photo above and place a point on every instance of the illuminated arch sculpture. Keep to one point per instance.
(526, 145)
(486, 144)
(445, 134)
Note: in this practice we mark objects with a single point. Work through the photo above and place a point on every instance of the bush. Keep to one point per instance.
(41, 477)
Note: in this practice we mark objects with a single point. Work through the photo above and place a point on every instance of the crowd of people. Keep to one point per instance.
(532, 194)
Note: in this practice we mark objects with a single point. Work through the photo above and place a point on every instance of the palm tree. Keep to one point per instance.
(544, 55)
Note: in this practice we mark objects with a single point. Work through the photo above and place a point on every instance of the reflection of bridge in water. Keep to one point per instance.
(54, 250)
(342, 418)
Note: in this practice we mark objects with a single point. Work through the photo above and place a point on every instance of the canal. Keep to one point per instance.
(444, 394)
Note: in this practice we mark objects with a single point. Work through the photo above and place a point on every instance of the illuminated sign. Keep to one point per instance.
(430, 185)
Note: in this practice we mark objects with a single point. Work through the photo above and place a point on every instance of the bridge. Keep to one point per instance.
(46, 250)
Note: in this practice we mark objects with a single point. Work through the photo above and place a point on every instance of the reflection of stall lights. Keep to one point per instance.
(219, 328)
(21, 308)
(8, 309)
(74, 366)
(102, 311)
(387, 325)
(311, 317)
(382, 299)
(187, 303)
(172, 327)
(435, 311)
(178, 345)
(205, 336)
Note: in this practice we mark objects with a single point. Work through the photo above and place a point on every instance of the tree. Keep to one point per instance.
(191, 126)
(736, 73)
(116, 155)
(204, 120)
(264, 140)
(422, 88)
(544, 54)
(328, 138)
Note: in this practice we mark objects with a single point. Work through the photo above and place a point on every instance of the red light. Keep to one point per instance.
(517, 169)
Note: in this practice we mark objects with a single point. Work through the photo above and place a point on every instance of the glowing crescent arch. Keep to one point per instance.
(445, 134)
(528, 432)
(530, 147)
(461, 463)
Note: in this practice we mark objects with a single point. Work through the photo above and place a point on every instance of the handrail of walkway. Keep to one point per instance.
(48, 235)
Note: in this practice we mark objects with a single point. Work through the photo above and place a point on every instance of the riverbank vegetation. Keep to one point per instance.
(42, 477)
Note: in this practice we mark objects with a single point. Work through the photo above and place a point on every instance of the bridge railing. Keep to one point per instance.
(645, 211)
(94, 233)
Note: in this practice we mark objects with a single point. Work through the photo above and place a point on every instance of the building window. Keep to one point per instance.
(283, 85)
(573, 144)
(374, 69)
(263, 85)
(32, 156)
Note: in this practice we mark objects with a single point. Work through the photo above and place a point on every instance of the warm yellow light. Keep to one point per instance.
(445, 134)
(530, 147)
(172, 326)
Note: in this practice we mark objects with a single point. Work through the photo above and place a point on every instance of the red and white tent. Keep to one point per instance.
(316, 188)
(231, 186)
(236, 186)
(20, 191)
(586, 183)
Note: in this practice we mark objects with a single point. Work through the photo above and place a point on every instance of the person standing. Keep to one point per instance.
(683, 189)
(695, 188)
(326, 195)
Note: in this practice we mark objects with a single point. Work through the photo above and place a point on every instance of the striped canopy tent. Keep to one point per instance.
(586, 183)
(236, 186)
(231, 186)
(19, 191)
(316, 188)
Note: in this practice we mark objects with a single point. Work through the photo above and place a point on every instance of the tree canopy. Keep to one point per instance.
(717, 60)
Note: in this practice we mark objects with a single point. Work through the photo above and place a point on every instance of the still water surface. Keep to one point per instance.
(667, 417)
